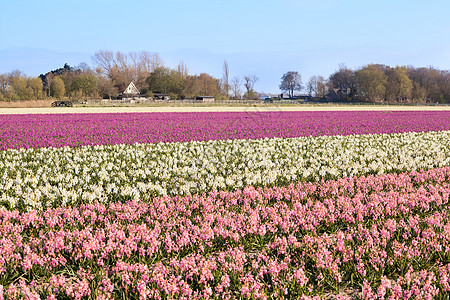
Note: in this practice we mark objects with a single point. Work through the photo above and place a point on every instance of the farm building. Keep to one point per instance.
(339, 94)
(207, 99)
(131, 91)
(160, 96)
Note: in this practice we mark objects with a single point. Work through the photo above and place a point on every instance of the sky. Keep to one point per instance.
(256, 37)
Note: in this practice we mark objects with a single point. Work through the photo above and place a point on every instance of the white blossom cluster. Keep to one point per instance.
(50, 177)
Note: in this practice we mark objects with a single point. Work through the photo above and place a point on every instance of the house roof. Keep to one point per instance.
(131, 89)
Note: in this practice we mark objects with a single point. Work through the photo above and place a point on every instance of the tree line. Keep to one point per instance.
(112, 72)
(375, 83)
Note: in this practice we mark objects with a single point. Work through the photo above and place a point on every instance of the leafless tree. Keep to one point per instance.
(226, 74)
(134, 66)
(121, 68)
(49, 80)
(311, 86)
(249, 82)
(321, 87)
(104, 61)
(317, 86)
(236, 84)
(183, 69)
(150, 61)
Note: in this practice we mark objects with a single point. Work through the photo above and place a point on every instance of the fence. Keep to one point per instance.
(144, 102)
(147, 102)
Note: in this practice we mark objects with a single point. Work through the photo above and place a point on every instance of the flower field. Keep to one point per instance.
(56, 130)
(329, 205)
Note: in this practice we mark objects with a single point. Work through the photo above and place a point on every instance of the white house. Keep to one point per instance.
(131, 90)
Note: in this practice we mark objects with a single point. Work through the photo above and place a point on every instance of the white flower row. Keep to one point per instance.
(49, 177)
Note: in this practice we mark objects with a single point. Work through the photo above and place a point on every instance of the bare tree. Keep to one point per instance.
(49, 80)
(321, 87)
(182, 69)
(121, 68)
(226, 74)
(134, 66)
(150, 61)
(311, 86)
(236, 83)
(250, 82)
(317, 86)
(147, 63)
(104, 61)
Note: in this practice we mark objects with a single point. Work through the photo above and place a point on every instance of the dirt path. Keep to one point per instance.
(61, 110)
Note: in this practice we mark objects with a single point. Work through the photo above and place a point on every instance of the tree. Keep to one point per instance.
(371, 82)
(226, 75)
(321, 87)
(105, 62)
(48, 77)
(249, 83)
(57, 89)
(316, 85)
(434, 83)
(202, 85)
(166, 81)
(84, 84)
(290, 82)
(106, 88)
(83, 67)
(18, 85)
(343, 79)
(183, 69)
(47, 82)
(209, 86)
(236, 84)
(3, 84)
(398, 86)
(311, 86)
(419, 93)
(122, 68)
(35, 83)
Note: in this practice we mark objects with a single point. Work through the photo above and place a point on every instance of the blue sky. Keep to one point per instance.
(256, 37)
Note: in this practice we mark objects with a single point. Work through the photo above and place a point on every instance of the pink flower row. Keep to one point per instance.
(374, 236)
(57, 130)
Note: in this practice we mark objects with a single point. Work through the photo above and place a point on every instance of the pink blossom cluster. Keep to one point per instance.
(58, 130)
(374, 237)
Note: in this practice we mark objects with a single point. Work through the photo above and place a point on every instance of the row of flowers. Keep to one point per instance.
(52, 177)
(30, 131)
(372, 237)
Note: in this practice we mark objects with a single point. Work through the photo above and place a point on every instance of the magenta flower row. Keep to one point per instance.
(373, 237)
(57, 130)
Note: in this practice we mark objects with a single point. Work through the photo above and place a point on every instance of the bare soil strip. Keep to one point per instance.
(69, 110)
